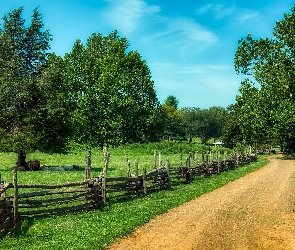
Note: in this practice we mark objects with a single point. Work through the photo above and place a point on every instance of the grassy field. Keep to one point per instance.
(144, 153)
(98, 228)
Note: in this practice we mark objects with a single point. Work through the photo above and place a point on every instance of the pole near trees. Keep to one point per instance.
(15, 203)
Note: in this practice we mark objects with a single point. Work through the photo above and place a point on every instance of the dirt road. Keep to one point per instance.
(254, 212)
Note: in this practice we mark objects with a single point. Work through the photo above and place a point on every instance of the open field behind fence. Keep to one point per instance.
(19, 201)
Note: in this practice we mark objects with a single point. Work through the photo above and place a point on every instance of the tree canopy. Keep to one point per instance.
(111, 90)
(231, 133)
(210, 123)
(171, 101)
(28, 114)
(99, 93)
(173, 118)
(192, 122)
(266, 106)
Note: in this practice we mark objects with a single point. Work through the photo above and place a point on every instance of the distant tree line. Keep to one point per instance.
(100, 93)
(191, 122)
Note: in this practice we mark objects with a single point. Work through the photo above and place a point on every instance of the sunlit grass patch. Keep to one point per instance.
(98, 228)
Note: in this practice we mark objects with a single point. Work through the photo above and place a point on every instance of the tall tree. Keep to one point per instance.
(210, 123)
(231, 133)
(171, 101)
(54, 108)
(112, 90)
(190, 122)
(173, 118)
(155, 125)
(271, 64)
(24, 100)
(219, 117)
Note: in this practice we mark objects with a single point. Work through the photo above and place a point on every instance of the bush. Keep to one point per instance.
(165, 147)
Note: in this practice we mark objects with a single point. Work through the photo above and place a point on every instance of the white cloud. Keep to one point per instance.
(182, 37)
(126, 15)
(219, 10)
(249, 15)
(204, 9)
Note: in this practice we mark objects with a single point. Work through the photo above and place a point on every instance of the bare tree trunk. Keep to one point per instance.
(21, 162)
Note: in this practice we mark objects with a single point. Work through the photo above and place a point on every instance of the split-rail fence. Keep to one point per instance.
(20, 201)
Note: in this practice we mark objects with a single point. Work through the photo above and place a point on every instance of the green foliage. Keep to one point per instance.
(232, 134)
(29, 117)
(172, 118)
(190, 122)
(205, 123)
(171, 101)
(111, 90)
(99, 94)
(165, 147)
(266, 113)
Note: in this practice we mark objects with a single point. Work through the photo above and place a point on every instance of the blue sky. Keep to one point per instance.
(189, 45)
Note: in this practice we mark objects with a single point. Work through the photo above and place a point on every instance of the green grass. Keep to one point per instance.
(98, 228)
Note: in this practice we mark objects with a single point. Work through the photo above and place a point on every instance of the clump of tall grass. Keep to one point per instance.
(165, 147)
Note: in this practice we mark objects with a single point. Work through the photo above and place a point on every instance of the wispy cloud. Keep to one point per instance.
(248, 15)
(125, 15)
(219, 10)
(204, 9)
(182, 37)
(178, 37)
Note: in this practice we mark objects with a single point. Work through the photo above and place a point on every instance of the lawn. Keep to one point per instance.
(97, 228)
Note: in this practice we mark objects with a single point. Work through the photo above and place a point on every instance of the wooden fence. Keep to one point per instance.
(38, 199)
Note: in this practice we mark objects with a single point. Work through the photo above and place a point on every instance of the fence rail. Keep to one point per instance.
(94, 192)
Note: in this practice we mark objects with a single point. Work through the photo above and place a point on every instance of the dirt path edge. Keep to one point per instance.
(253, 212)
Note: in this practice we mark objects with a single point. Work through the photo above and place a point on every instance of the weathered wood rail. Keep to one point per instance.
(28, 200)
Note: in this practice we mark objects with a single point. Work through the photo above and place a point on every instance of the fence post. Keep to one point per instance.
(189, 172)
(103, 187)
(218, 162)
(2, 195)
(106, 161)
(160, 160)
(105, 155)
(168, 173)
(87, 165)
(207, 165)
(104, 176)
(155, 159)
(203, 157)
(128, 173)
(87, 175)
(15, 202)
(136, 167)
(211, 157)
(180, 158)
(144, 182)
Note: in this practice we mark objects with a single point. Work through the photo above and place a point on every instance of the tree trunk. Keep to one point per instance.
(21, 162)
